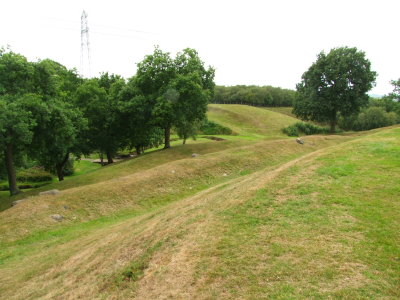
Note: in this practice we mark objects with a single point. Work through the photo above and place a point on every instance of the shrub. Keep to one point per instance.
(210, 127)
(370, 118)
(34, 174)
(303, 128)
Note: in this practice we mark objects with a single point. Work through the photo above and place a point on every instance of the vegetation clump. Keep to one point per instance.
(299, 128)
(210, 128)
(34, 174)
(379, 113)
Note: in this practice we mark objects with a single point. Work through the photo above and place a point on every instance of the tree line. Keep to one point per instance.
(254, 95)
(49, 112)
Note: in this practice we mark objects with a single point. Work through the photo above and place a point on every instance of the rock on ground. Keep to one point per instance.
(50, 192)
(300, 141)
(57, 217)
(18, 202)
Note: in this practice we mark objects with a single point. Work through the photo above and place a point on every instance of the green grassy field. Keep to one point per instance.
(254, 217)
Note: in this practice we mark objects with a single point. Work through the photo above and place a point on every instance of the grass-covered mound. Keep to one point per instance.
(249, 121)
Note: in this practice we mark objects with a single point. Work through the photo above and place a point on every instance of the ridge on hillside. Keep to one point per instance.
(250, 121)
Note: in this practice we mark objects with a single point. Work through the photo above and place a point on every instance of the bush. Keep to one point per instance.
(303, 128)
(34, 174)
(370, 118)
(210, 127)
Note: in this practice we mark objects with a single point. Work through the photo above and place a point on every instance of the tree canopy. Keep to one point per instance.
(336, 84)
(254, 95)
(178, 89)
(49, 112)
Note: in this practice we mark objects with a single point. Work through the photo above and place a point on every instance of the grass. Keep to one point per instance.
(252, 217)
(248, 121)
(332, 234)
(282, 110)
(83, 167)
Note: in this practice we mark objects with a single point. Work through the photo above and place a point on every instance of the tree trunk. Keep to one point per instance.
(332, 126)
(101, 158)
(109, 158)
(12, 180)
(167, 135)
(184, 141)
(138, 150)
(60, 174)
(60, 168)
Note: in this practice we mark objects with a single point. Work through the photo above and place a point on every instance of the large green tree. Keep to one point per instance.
(16, 123)
(60, 125)
(194, 84)
(58, 134)
(98, 99)
(138, 129)
(177, 89)
(336, 84)
(153, 76)
(16, 130)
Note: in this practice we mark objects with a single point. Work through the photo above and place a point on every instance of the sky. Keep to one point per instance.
(247, 42)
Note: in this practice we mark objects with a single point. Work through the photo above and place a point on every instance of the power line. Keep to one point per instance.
(94, 25)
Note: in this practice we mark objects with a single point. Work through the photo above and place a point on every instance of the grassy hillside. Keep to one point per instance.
(249, 121)
(265, 218)
(283, 110)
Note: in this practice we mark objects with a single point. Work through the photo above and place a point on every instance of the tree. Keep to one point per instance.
(98, 100)
(16, 130)
(58, 135)
(337, 83)
(177, 89)
(16, 123)
(60, 125)
(194, 85)
(153, 76)
(396, 90)
(138, 129)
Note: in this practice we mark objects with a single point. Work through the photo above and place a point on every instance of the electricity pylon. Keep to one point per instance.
(85, 46)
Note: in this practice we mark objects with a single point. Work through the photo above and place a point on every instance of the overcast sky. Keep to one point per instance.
(248, 42)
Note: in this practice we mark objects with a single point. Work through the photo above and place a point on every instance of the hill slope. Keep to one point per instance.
(250, 121)
(266, 218)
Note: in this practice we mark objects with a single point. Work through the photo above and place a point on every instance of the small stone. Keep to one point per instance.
(50, 192)
(173, 171)
(225, 174)
(17, 202)
(195, 155)
(299, 141)
(57, 217)
(66, 207)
